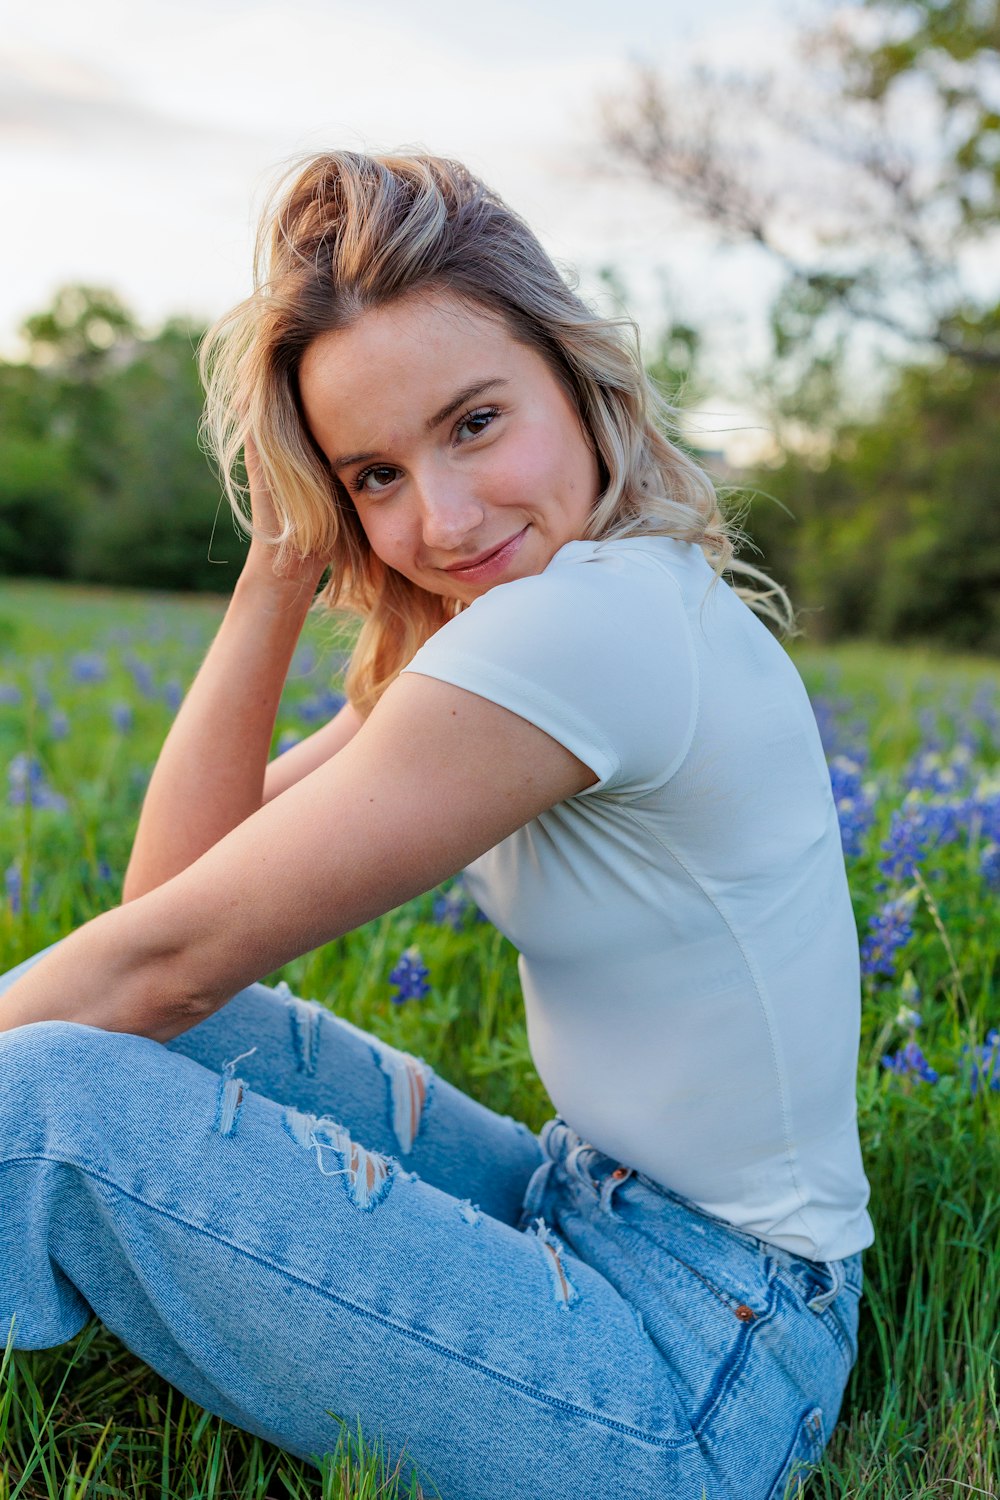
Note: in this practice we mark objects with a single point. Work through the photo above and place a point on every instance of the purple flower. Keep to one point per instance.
(121, 717)
(58, 724)
(320, 706)
(12, 882)
(450, 906)
(26, 780)
(889, 930)
(913, 829)
(854, 801)
(142, 676)
(982, 1064)
(910, 1062)
(10, 695)
(410, 976)
(173, 695)
(989, 866)
(88, 667)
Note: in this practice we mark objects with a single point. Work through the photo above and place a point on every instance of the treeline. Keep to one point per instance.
(893, 533)
(101, 475)
(890, 529)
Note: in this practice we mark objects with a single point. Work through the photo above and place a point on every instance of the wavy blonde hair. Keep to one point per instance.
(351, 232)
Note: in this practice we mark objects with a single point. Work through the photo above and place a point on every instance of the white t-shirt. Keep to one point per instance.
(689, 957)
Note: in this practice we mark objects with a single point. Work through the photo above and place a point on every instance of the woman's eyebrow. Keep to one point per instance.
(468, 394)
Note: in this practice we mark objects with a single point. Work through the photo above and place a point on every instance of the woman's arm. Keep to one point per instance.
(435, 776)
(210, 774)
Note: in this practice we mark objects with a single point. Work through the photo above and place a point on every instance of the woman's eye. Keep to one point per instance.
(485, 417)
(361, 482)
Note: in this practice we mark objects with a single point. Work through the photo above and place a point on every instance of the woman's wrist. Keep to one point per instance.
(259, 577)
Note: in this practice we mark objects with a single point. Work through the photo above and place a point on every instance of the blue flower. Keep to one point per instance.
(121, 717)
(410, 976)
(173, 695)
(320, 706)
(12, 882)
(26, 782)
(889, 930)
(451, 905)
(855, 802)
(989, 866)
(58, 724)
(142, 675)
(287, 740)
(983, 1064)
(88, 667)
(10, 695)
(910, 1062)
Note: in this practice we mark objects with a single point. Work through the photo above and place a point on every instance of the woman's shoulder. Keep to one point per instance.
(608, 573)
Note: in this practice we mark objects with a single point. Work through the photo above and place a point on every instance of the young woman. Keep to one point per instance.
(554, 685)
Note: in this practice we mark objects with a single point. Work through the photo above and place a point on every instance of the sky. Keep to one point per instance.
(138, 140)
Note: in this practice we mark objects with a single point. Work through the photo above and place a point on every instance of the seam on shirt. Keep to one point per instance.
(490, 674)
(759, 990)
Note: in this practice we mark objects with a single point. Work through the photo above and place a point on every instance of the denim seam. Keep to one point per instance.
(728, 1299)
(828, 1317)
(419, 1338)
(730, 1368)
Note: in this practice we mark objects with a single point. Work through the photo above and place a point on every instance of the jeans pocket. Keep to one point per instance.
(803, 1456)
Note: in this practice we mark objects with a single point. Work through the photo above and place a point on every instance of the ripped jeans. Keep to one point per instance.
(295, 1224)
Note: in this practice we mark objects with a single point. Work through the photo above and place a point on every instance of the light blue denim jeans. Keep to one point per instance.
(296, 1224)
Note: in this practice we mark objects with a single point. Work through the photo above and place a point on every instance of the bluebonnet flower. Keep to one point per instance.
(989, 866)
(910, 1062)
(909, 992)
(451, 905)
(121, 717)
(58, 724)
(10, 695)
(88, 667)
(142, 675)
(914, 828)
(173, 695)
(287, 740)
(26, 782)
(12, 882)
(854, 800)
(43, 697)
(945, 775)
(320, 706)
(410, 976)
(889, 930)
(982, 1064)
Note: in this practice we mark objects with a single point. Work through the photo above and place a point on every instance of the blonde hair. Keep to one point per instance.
(352, 232)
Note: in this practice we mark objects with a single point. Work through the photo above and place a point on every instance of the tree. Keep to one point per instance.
(867, 214)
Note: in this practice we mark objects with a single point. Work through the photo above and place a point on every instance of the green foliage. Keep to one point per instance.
(101, 474)
(920, 1418)
(895, 534)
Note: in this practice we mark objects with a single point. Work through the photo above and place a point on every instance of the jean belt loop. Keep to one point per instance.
(822, 1301)
(535, 1192)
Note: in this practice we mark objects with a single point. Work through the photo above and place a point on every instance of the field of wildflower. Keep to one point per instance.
(89, 682)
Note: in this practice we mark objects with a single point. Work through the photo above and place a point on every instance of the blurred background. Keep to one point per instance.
(798, 203)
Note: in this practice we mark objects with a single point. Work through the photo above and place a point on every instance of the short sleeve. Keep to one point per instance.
(596, 651)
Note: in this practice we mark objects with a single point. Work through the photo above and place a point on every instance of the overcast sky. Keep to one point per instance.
(138, 137)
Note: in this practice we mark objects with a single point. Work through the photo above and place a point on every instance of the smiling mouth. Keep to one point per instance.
(485, 557)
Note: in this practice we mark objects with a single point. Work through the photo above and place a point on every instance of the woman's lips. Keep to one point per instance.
(490, 563)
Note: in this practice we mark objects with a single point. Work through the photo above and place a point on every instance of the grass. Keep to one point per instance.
(920, 1417)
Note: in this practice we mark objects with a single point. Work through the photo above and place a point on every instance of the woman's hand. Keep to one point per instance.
(298, 571)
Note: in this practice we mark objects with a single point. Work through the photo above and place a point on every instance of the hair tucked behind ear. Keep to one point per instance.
(350, 232)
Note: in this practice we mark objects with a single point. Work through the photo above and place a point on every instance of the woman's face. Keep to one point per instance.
(464, 456)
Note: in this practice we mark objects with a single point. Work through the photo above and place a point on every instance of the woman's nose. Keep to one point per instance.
(449, 514)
